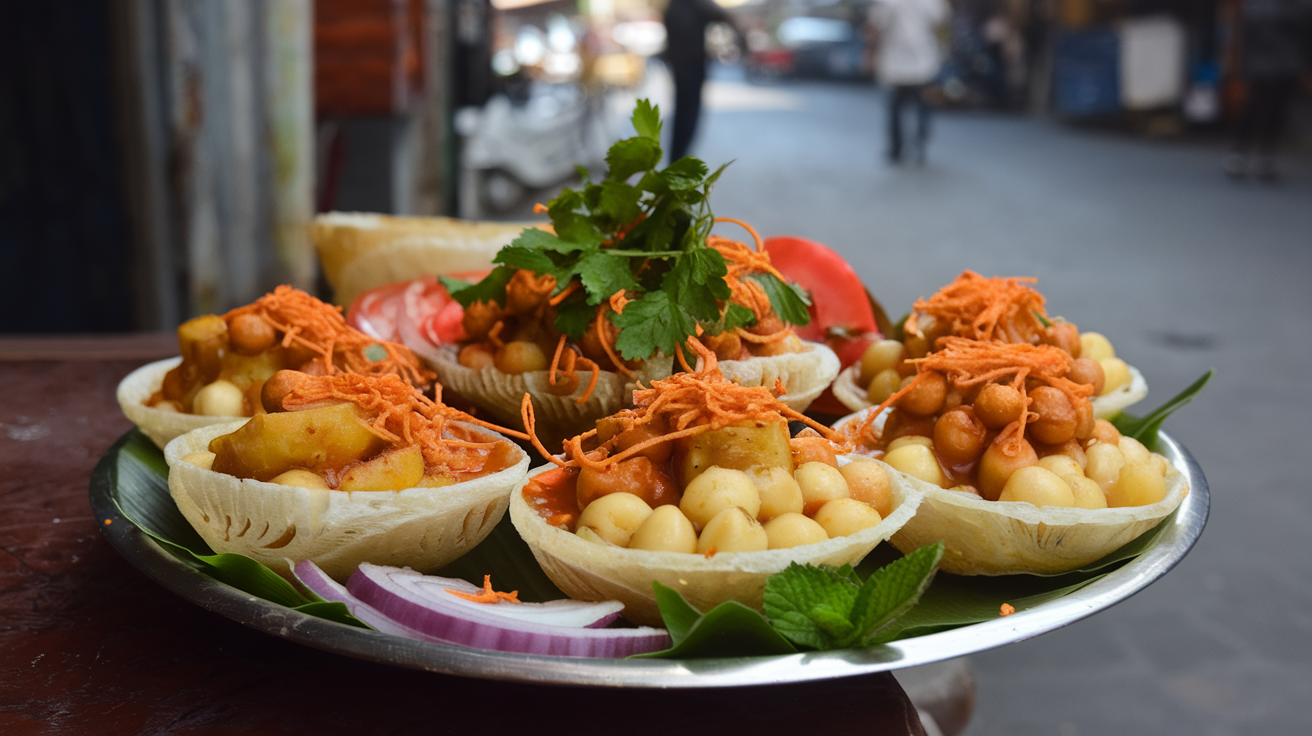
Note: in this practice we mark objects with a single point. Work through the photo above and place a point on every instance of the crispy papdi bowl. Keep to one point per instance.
(159, 425)
(421, 528)
(589, 571)
(805, 374)
(849, 392)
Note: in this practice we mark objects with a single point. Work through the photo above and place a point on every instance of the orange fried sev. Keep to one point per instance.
(982, 308)
(487, 595)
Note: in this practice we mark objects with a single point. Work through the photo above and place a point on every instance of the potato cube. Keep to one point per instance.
(271, 444)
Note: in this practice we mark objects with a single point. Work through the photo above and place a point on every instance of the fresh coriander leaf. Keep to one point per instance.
(528, 259)
(696, 283)
(603, 276)
(892, 590)
(735, 315)
(789, 301)
(685, 175)
(710, 180)
(535, 239)
(619, 202)
(649, 324)
(801, 600)
(491, 289)
(573, 317)
(647, 120)
(1145, 429)
(631, 156)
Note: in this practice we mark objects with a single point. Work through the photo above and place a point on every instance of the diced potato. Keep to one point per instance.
(741, 446)
(203, 341)
(391, 471)
(271, 444)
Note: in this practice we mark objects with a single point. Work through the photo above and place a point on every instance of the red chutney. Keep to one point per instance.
(553, 495)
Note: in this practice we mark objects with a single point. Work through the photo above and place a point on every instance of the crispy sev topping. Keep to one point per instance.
(984, 309)
(487, 595)
(741, 261)
(320, 328)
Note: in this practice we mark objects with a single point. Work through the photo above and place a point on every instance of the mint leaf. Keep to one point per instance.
(1145, 429)
(647, 120)
(652, 323)
(630, 156)
(491, 289)
(788, 300)
(892, 590)
(802, 602)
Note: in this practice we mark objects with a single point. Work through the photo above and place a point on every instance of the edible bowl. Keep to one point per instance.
(159, 425)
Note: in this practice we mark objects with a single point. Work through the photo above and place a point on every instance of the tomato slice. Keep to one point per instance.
(839, 301)
(408, 310)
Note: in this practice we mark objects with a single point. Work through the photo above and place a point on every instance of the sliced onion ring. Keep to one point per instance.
(317, 581)
(421, 602)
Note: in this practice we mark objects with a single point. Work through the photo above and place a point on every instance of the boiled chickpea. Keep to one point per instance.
(301, 479)
(1105, 463)
(203, 460)
(998, 405)
(1134, 451)
(1138, 484)
(172, 407)
(733, 530)
(1038, 486)
(1106, 433)
(793, 530)
(1063, 466)
(587, 533)
(615, 517)
(1095, 346)
(845, 516)
(1057, 420)
(918, 461)
(869, 483)
(909, 439)
(879, 357)
(219, 399)
(820, 484)
(657, 427)
(726, 345)
(1084, 419)
(520, 356)
(815, 449)
(665, 530)
(927, 397)
(1088, 494)
(1160, 464)
(715, 490)
(637, 476)
(779, 492)
(249, 334)
(959, 436)
(1117, 374)
(1064, 335)
(883, 385)
(998, 464)
(1071, 449)
(277, 387)
(479, 319)
(1087, 371)
(788, 345)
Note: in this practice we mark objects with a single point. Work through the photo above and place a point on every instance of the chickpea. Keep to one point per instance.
(726, 345)
(717, 489)
(997, 465)
(1106, 433)
(587, 533)
(1138, 484)
(733, 530)
(845, 516)
(998, 405)
(1117, 374)
(1105, 463)
(868, 482)
(219, 399)
(1088, 494)
(909, 439)
(637, 476)
(657, 453)
(172, 407)
(203, 460)
(1084, 419)
(1087, 371)
(1039, 486)
(1063, 466)
(520, 356)
(882, 386)
(615, 517)
(793, 530)
(1057, 420)
(788, 345)
(1160, 464)
(1070, 449)
(1095, 346)
(1064, 335)
(479, 319)
(815, 449)
(249, 334)
(959, 436)
(666, 530)
(277, 387)
(927, 397)
(1134, 451)
(779, 492)
(879, 357)
(527, 291)
(820, 484)
(918, 461)
(301, 479)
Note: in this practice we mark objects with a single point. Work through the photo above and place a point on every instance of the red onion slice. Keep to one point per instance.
(421, 602)
(318, 582)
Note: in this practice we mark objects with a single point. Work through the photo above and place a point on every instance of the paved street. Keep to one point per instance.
(1148, 243)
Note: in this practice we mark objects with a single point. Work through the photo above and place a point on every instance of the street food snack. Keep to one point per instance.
(701, 488)
(351, 469)
(227, 360)
(990, 309)
(1018, 475)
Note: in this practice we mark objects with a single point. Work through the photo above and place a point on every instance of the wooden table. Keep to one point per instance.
(90, 646)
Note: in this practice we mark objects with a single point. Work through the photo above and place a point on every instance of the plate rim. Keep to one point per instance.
(1183, 530)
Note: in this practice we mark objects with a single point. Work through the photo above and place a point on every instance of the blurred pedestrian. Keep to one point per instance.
(908, 61)
(685, 54)
(1275, 55)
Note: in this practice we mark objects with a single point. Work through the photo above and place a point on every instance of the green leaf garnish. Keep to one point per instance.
(491, 289)
(788, 300)
(728, 630)
(1145, 429)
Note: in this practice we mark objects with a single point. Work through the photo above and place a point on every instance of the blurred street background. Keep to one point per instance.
(160, 159)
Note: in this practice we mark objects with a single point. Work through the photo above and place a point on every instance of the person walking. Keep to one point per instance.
(1275, 41)
(685, 54)
(908, 60)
